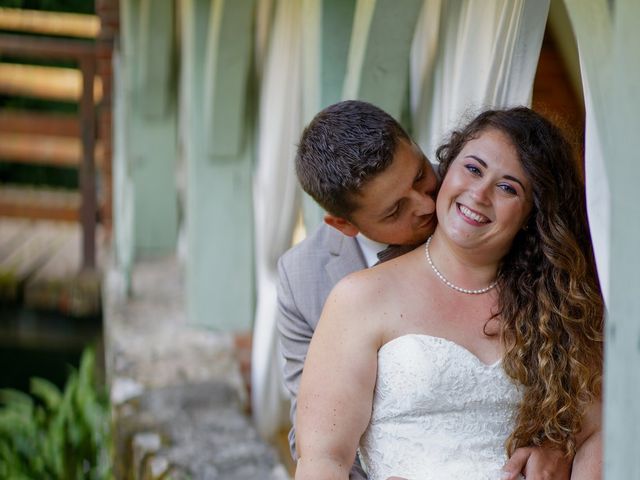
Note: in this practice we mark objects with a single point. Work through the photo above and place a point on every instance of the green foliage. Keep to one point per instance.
(56, 435)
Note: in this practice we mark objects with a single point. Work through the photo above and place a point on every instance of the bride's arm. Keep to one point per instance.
(587, 464)
(336, 390)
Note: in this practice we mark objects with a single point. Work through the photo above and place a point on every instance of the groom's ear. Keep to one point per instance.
(341, 224)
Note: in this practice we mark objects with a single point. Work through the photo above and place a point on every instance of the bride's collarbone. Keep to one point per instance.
(473, 329)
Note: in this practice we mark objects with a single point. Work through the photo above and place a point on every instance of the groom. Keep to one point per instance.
(378, 189)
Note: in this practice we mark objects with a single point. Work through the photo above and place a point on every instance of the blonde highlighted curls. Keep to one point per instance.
(549, 302)
(552, 332)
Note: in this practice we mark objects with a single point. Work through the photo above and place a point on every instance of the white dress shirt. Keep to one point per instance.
(370, 249)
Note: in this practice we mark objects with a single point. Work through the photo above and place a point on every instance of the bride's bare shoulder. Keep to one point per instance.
(364, 283)
(360, 292)
(353, 309)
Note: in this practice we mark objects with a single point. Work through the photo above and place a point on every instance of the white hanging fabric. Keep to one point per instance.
(484, 54)
(597, 188)
(592, 25)
(275, 199)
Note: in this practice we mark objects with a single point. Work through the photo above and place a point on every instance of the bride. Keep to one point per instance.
(488, 338)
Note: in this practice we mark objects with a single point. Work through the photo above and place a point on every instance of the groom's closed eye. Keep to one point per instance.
(395, 213)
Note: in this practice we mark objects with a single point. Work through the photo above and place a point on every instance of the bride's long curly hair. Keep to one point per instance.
(550, 307)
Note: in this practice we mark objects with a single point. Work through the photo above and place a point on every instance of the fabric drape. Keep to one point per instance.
(598, 195)
(275, 205)
(593, 34)
(478, 55)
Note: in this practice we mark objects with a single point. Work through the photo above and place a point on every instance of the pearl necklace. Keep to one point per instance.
(447, 282)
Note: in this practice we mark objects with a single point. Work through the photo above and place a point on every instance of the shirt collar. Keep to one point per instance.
(370, 249)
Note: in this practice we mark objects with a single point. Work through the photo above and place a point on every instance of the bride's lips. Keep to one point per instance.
(471, 216)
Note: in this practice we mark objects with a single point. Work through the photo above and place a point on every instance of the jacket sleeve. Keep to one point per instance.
(295, 335)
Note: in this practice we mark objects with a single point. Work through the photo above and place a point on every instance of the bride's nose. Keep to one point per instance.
(480, 192)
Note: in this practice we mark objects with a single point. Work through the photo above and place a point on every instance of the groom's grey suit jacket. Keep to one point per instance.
(307, 273)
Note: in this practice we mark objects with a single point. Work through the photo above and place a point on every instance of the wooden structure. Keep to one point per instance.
(83, 53)
(28, 256)
(40, 267)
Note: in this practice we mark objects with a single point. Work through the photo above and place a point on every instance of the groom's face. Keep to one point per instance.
(397, 206)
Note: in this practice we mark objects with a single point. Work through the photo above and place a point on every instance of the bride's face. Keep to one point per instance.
(485, 197)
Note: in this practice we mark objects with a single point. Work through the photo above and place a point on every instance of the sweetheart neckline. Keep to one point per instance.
(447, 341)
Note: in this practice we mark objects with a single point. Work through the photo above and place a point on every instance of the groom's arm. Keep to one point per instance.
(295, 334)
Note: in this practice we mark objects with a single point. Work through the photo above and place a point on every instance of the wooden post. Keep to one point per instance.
(607, 35)
(378, 68)
(622, 361)
(147, 129)
(326, 37)
(219, 269)
(227, 64)
(107, 11)
(87, 169)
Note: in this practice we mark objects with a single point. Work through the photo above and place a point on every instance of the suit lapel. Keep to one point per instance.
(346, 256)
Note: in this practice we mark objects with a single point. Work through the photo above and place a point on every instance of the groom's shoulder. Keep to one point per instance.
(313, 248)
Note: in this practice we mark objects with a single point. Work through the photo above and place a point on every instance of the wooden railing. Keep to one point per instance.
(56, 144)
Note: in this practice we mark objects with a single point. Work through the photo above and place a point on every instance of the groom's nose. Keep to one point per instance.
(424, 203)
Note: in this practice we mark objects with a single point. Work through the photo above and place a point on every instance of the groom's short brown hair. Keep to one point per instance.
(345, 146)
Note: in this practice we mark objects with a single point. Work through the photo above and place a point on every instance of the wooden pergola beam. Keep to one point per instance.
(48, 204)
(155, 44)
(378, 67)
(227, 62)
(42, 47)
(51, 150)
(28, 122)
(48, 83)
(49, 23)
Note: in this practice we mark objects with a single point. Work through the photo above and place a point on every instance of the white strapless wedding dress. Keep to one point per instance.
(439, 413)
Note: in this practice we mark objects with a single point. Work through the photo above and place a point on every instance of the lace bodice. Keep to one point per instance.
(439, 413)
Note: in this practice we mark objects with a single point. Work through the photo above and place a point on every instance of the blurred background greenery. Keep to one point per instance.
(56, 434)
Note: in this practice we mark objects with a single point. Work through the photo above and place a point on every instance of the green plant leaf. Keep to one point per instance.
(15, 399)
(47, 392)
(64, 435)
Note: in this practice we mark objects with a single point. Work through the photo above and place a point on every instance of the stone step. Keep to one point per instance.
(179, 399)
(195, 431)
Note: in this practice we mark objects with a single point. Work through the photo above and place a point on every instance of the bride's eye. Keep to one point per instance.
(505, 187)
(473, 169)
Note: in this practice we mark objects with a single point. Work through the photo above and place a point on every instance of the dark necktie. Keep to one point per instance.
(394, 251)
